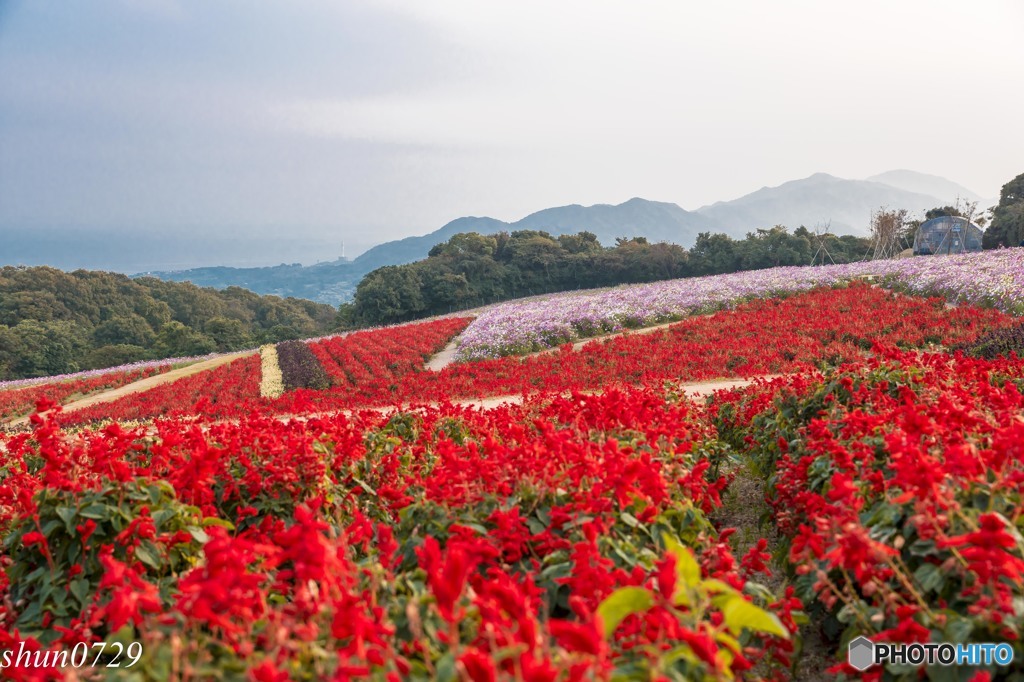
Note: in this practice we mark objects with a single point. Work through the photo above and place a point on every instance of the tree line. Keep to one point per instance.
(1007, 228)
(471, 269)
(55, 322)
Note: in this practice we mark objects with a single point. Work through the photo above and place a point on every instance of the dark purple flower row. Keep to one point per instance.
(299, 367)
(996, 343)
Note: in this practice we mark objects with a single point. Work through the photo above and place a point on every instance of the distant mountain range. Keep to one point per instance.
(845, 205)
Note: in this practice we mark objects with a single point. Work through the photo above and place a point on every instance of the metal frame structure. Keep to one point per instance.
(947, 235)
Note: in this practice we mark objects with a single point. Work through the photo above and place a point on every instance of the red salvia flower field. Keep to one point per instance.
(577, 534)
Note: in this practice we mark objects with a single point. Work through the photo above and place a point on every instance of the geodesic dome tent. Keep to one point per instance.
(947, 234)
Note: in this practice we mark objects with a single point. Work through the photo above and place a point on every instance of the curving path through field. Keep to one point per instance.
(447, 356)
(697, 389)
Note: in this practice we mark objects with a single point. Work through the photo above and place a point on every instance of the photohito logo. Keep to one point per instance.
(863, 653)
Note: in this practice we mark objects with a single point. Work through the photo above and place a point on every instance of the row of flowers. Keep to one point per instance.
(897, 483)
(22, 401)
(360, 360)
(271, 380)
(561, 539)
(224, 391)
(991, 278)
(92, 373)
(300, 367)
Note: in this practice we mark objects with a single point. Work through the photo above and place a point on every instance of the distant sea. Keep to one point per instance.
(136, 252)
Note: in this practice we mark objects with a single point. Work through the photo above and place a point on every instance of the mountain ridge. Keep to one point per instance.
(820, 198)
(845, 205)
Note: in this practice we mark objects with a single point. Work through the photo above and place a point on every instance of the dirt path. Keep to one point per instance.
(447, 356)
(145, 384)
(746, 510)
(697, 389)
(444, 358)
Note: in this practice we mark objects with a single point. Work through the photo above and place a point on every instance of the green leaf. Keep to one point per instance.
(445, 668)
(214, 521)
(958, 628)
(629, 519)
(536, 526)
(742, 615)
(687, 568)
(67, 515)
(50, 526)
(929, 577)
(95, 511)
(716, 586)
(365, 486)
(80, 588)
(622, 603)
(147, 554)
(198, 534)
(162, 516)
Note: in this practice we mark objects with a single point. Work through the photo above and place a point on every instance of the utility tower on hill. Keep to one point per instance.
(822, 232)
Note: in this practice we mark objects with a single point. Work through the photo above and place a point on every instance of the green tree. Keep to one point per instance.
(228, 334)
(280, 332)
(33, 349)
(177, 340)
(582, 242)
(1007, 227)
(129, 329)
(113, 355)
(942, 212)
(391, 293)
(713, 254)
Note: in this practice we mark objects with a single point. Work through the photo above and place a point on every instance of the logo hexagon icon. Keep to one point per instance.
(861, 653)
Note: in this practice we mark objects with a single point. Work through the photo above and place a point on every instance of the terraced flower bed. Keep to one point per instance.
(361, 359)
(758, 337)
(768, 336)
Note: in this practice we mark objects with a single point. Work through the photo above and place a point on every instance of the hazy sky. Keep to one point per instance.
(375, 120)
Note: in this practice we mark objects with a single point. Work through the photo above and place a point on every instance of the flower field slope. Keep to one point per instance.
(758, 337)
(92, 373)
(362, 368)
(990, 278)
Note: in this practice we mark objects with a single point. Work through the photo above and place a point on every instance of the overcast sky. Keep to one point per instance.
(376, 120)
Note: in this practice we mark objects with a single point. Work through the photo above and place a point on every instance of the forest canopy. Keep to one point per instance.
(54, 322)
